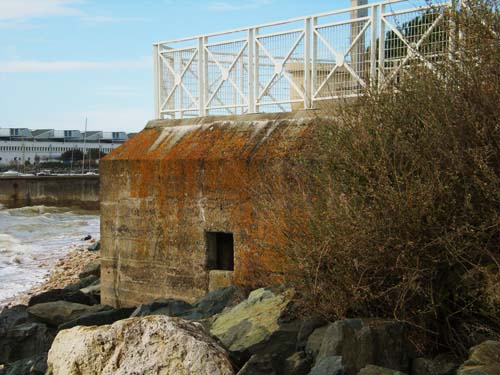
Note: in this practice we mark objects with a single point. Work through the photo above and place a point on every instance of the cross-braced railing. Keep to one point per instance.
(298, 63)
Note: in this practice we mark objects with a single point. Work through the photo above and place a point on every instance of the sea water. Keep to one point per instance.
(33, 239)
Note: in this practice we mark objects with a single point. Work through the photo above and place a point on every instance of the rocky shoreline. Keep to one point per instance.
(61, 328)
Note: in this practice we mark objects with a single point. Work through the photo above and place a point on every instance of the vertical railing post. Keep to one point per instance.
(314, 59)
(201, 77)
(357, 53)
(206, 78)
(251, 71)
(307, 63)
(381, 46)
(256, 69)
(178, 64)
(241, 102)
(156, 63)
(373, 47)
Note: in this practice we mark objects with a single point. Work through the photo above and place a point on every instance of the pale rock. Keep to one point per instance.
(156, 344)
(484, 359)
(258, 325)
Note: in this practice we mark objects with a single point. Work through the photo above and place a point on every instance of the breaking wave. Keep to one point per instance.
(33, 238)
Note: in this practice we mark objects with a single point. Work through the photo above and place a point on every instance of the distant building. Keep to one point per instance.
(19, 145)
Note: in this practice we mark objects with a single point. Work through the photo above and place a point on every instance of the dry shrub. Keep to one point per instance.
(397, 213)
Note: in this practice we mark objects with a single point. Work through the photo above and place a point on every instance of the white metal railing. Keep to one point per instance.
(297, 63)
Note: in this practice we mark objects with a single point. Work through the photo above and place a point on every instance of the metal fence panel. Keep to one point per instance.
(298, 63)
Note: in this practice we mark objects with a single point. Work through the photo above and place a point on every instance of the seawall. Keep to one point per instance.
(64, 191)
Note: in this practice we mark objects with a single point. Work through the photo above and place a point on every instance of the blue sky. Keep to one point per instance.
(64, 60)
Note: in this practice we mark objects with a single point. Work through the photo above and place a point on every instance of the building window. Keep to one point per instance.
(220, 251)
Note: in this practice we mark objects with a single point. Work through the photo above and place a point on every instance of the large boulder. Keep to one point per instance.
(484, 359)
(59, 312)
(148, 345)
(24, 340)
(99, 318)
(62, 295)
(260, 324)
(360, 343)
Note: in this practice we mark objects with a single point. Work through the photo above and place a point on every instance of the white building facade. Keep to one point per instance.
(18, 146)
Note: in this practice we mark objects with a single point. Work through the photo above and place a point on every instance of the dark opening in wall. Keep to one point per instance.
(220, 251)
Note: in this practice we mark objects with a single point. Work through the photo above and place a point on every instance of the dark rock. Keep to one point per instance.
(24, 341)
(87, 237)
(297, 364)
(95, 246)
(214, 303)
(36, 365)
(83, 283)
(328, 366)
(360, 343)
(13, 316)
(99, 318)
(92, 268)
(258, 365)
(376, 370)
(60, 312)
(484, 359)
(62, 295)
(443, 364)
(168, 307)
(314, 341)
(307, 328)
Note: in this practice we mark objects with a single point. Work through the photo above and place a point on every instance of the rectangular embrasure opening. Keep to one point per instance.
(220, 251)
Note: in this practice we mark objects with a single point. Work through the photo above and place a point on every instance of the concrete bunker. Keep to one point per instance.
(181, 204)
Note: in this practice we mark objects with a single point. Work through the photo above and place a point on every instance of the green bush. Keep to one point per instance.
(399, 214)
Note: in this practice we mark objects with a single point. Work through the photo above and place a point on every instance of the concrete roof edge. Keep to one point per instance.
(296, 116)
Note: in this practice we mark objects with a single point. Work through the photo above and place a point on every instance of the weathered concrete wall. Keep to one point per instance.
(174, 181)
(66, 191)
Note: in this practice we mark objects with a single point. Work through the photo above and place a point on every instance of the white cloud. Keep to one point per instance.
(36, 66)
(12, 10)
(14, 13)
(225, 6)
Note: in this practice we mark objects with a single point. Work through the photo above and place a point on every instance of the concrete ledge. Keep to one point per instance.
(62, 191)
